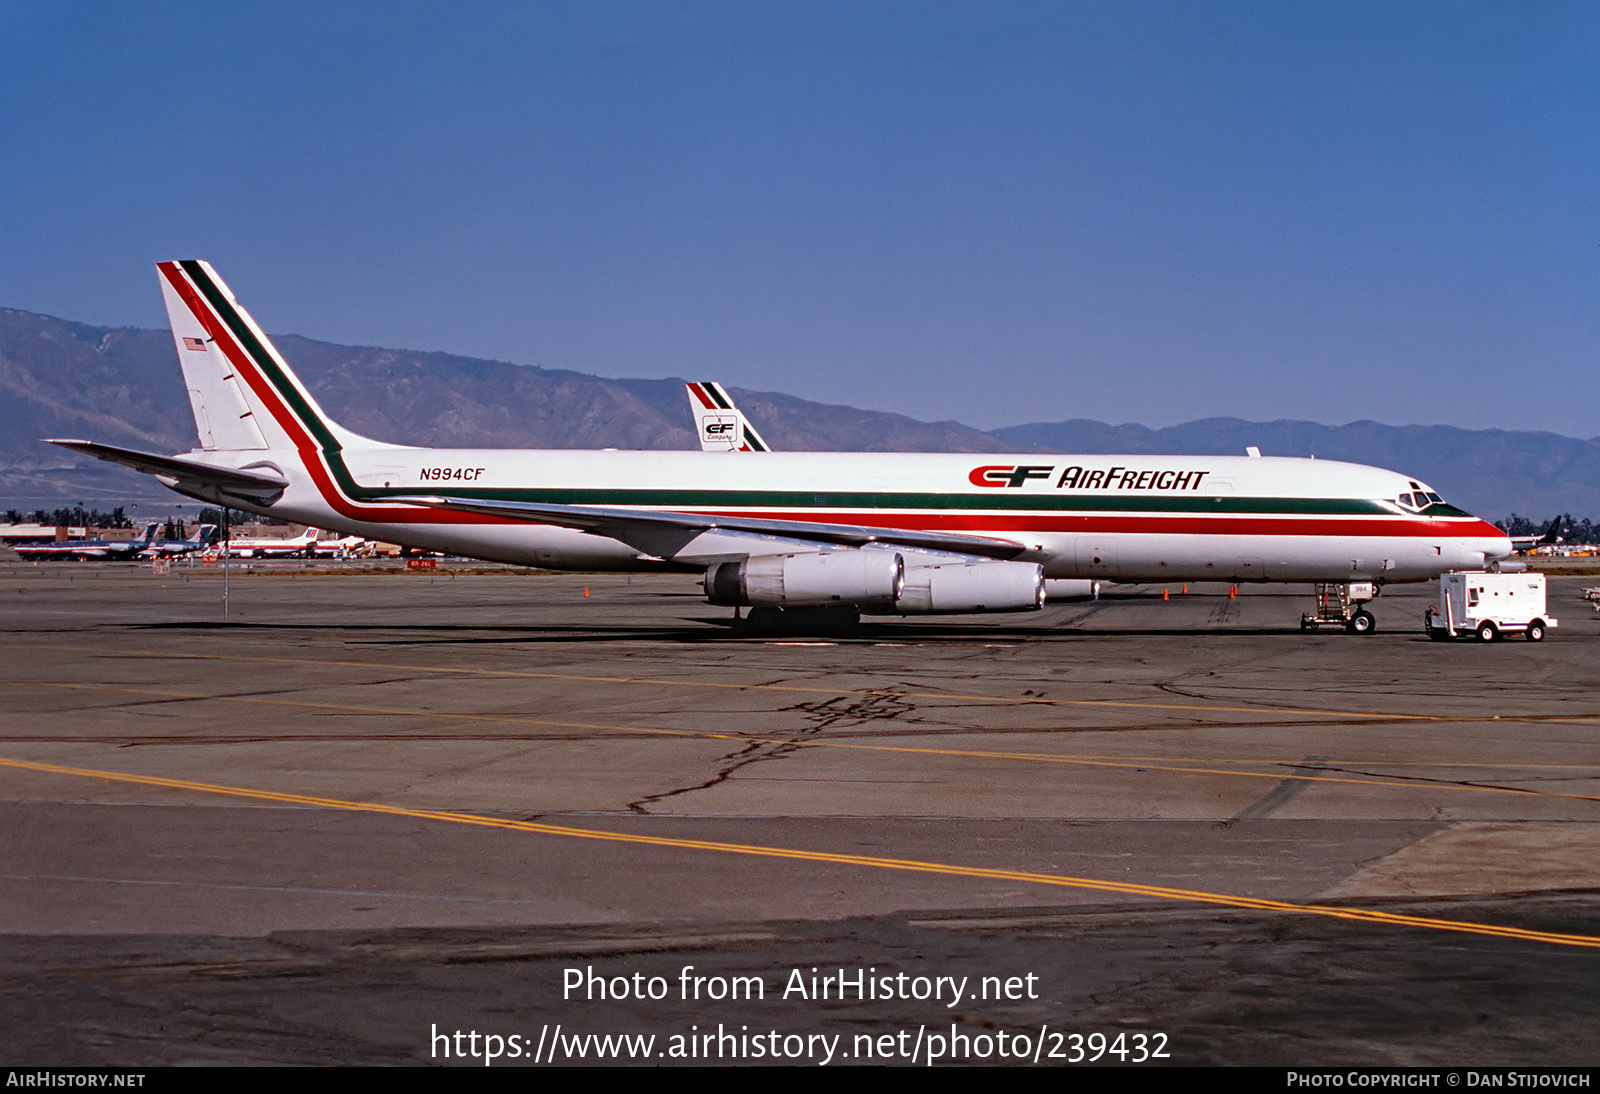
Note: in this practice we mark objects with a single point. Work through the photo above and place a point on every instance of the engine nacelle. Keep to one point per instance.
(1071, 588)
(973, 587)
(850, 576)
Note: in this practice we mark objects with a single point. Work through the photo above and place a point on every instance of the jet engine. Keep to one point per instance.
(973, 587)
(850, 576)
(1071, 588)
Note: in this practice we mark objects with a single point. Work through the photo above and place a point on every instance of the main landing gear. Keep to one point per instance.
(1341, 604)
(822, 621)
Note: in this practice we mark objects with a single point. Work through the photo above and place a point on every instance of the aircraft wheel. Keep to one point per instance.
(806, 621)
(1487, 632)
(1536, 631)
(760, 621)
(1362, 622)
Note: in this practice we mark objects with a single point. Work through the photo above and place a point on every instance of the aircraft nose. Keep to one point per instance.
(1497, 549)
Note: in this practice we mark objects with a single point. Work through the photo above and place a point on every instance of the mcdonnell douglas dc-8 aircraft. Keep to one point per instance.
(888, 533)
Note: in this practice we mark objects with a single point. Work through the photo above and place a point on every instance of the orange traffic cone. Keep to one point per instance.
(1185, 588)
(1164, 595)
(586, 590)
(1233, 591)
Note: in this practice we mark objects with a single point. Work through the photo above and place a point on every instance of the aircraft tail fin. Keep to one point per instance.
(721, 425)
(243, 394)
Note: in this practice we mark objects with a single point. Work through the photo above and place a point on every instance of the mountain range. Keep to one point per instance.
(122, 386)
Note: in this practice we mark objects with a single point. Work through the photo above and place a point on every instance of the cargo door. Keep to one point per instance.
(1249, 569)
(1097, 556)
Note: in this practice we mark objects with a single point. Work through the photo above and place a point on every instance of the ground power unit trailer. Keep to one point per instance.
(1489, 605)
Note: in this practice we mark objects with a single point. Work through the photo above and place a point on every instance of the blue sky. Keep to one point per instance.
(993, 212)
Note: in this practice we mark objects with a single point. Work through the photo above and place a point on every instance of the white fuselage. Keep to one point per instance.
(1124, 518)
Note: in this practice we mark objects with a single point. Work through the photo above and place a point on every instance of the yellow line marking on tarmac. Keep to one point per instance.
(1126, 763)
(1364, 915)
(1016, 700)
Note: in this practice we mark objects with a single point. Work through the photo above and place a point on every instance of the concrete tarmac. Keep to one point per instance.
(370, 807)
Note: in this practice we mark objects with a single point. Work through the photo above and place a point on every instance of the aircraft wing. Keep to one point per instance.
(655, 532)
(191, 472)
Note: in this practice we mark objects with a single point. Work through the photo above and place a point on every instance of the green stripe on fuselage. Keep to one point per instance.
(923, 502)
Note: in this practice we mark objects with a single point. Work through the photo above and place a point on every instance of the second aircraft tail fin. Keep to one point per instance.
(721, 425)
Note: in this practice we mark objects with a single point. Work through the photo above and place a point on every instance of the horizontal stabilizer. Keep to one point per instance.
(253, 484)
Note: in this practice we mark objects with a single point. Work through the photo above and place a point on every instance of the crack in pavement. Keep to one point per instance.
(841, 709)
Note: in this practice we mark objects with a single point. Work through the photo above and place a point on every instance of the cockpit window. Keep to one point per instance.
(1419, 500)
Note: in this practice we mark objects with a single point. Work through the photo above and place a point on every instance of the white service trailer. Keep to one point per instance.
(1488, 605)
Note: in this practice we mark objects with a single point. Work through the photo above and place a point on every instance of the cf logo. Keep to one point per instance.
(1007, 475)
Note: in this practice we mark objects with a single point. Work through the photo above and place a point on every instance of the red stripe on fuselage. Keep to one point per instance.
(978, 521)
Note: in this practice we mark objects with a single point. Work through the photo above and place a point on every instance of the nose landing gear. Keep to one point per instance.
(1340, 604)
